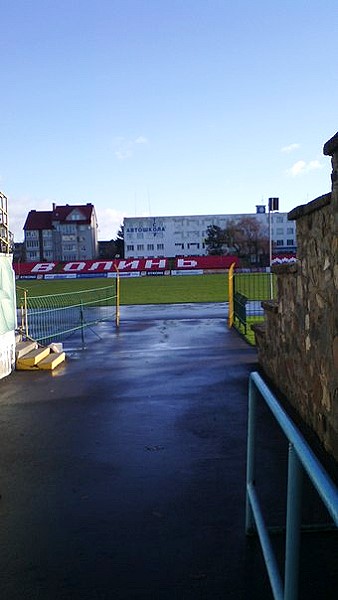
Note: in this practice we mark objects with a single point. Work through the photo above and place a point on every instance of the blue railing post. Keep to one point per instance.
(301, 459)
(250, 462)
(293, 525)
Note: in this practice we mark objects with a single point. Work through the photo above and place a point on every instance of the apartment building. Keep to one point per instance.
(67, 232)
(185, 235)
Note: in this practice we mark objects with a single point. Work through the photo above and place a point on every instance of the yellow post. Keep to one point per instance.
(22, 319)
(117, 297)
(231, 295)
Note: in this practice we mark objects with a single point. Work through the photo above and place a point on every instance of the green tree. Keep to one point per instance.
(119, 243)
(215, 241)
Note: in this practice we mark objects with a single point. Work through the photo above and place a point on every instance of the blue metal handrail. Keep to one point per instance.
(300, 457)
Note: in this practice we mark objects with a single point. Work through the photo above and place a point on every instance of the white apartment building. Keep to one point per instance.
(185, 235)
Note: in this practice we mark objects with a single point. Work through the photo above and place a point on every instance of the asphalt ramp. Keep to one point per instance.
(123, 473)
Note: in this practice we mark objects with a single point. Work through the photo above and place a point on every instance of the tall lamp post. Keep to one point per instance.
(273, 205)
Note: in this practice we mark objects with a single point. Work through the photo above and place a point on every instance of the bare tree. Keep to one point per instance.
(245, 238)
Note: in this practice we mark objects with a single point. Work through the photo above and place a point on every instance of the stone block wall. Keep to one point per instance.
(298, 344)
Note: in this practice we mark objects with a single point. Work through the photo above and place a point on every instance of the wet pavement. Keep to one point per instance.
(123, 473)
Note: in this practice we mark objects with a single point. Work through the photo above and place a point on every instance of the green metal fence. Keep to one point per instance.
(249, 289)
(55, 317)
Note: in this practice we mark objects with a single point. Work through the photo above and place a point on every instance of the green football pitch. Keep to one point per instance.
(151, 290)
(158, 290)
(140, 290)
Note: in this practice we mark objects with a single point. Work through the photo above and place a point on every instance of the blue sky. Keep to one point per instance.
(163, 107)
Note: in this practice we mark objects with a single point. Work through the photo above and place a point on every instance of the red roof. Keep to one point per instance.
(43, 219)
(62, 212)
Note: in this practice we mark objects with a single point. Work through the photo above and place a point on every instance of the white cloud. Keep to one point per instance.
(290, 148)
(124, 148)
(301, 167)
(18, 209)
(141, 140)
(313, 165)
(110, 221)
(297, 168)
(123, 153)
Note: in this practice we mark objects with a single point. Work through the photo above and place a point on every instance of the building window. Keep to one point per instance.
(68, 229)
(140, 247)
(140, 236)
(160, 246)
(130, 247)
(290, 242)
(75, 216)
(279, 231)
(279, 219)
(181, 246)
(289, 230)
(280, 243)
(31, 234)
(150, 246)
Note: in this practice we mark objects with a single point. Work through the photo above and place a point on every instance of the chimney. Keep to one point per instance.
(54, 206)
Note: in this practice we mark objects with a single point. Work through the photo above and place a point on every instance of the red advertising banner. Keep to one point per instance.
(91, 266)
(128, 265)
(205, 262)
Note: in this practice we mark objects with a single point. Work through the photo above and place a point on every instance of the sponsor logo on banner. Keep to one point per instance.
(126, 274)
(154, 273)
(188, 272)
(90, 275)
(60, 276)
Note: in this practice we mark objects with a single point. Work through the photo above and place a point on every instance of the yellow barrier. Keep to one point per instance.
(231, 295)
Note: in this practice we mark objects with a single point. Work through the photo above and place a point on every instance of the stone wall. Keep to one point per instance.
(298, 343)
